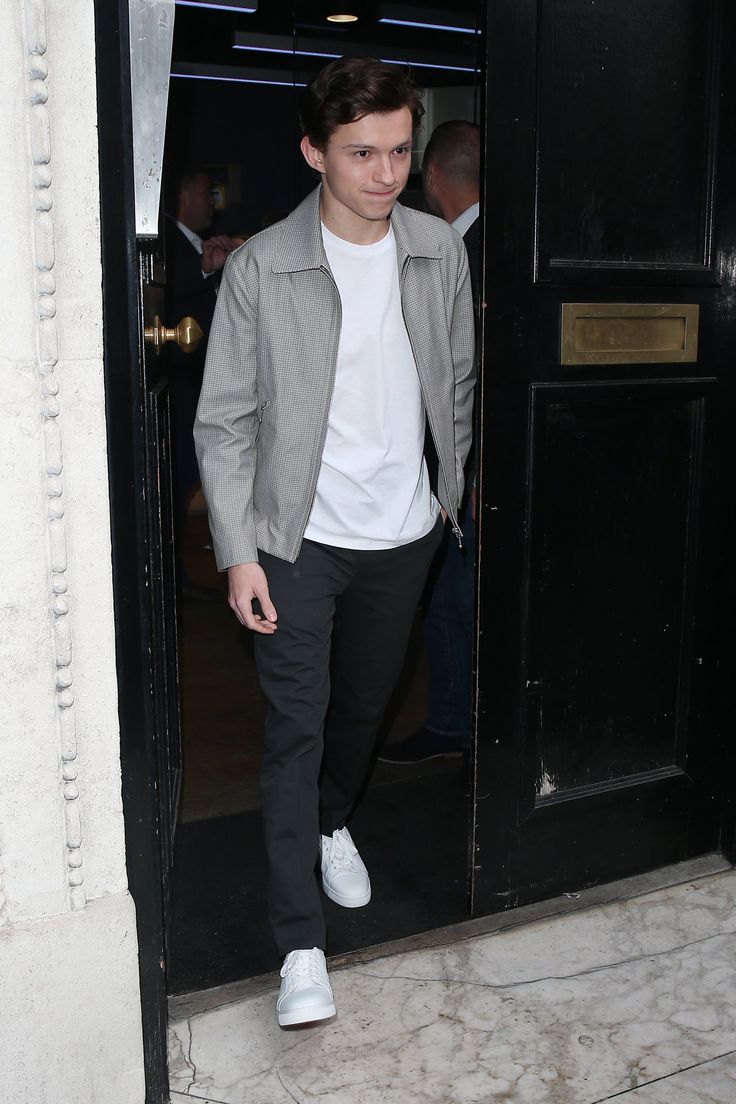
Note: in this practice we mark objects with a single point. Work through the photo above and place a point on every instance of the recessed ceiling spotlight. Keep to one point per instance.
(342, 17)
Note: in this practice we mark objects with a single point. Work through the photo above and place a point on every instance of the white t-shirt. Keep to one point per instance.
(373, 488)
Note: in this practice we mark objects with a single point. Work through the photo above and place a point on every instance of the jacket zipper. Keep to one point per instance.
(326, 418)
(456, 530)
(261, 410)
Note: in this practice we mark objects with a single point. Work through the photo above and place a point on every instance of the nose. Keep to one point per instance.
(383, 172)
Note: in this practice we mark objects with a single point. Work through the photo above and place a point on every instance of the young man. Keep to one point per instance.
(337, 332)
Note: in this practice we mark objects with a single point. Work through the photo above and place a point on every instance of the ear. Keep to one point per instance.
(433, 175)
(312, 155)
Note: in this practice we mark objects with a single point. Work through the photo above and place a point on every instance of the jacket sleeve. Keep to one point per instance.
(462, 341)
(226, 427)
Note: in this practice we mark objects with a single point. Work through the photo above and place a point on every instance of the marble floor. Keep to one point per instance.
(632, 1000)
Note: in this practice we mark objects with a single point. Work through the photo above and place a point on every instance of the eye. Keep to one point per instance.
(362, 154)
(401, 150)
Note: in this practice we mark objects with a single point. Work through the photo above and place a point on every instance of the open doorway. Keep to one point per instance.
(233, 112)
(559, 807)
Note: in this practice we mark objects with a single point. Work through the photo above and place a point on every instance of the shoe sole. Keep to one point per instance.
(347, 902)
(306, 1015)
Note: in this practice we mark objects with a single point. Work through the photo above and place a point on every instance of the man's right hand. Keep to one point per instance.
(246, 582)
(215, 251)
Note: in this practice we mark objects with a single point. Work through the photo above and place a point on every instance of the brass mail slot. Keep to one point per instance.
(629, 333)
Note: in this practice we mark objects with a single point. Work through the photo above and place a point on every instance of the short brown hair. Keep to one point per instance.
(454, 147)
(350, 88)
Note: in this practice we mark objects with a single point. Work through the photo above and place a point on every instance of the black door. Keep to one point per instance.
(607, 420)
(138, 416)
(607, 415)
(161, 559)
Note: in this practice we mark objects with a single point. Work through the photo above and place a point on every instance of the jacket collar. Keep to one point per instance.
(300, 245)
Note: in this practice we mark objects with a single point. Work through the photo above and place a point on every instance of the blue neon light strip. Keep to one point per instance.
(279, 50)
(245, 10)
(430, 26)
(240, 80)
(430, 65)
(388, 61)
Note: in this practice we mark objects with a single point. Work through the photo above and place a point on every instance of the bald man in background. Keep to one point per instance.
(451, 182)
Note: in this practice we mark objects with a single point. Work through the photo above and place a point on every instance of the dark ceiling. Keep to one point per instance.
(205, 40)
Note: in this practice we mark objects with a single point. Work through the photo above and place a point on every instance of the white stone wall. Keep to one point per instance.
(69, 1001)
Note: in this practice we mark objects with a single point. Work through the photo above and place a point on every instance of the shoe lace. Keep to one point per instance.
(303, 965)
(343, 853)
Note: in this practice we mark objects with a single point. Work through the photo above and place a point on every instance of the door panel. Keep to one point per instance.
(162, 565)
(611, 577)
(163, 599)
(623, 73)
(602, 655)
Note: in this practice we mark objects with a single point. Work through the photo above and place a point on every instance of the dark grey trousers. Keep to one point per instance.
(327, 673)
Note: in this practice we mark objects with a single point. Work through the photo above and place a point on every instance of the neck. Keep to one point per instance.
(456, 205)
(185, 222)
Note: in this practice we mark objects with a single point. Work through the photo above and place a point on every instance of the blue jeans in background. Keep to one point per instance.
(449, 608)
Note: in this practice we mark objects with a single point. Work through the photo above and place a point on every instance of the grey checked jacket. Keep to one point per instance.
(270, 372)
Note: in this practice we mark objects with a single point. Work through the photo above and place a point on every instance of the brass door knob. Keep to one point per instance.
(187, 334)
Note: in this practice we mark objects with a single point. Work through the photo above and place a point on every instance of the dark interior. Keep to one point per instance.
(233, 102)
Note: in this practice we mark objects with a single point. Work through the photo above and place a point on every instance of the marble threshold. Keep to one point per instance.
(631, 999)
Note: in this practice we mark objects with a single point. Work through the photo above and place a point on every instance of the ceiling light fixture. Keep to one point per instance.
(245, 7)
(342, 17)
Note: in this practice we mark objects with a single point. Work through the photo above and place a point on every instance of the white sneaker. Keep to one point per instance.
(344, 876)
(305, 994)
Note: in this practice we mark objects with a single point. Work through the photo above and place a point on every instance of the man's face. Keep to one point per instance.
(365, 167)
(197, 204)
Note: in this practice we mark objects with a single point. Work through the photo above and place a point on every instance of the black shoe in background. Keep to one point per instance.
(422, 745)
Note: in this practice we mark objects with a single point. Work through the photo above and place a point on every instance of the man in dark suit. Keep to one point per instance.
(193, 266)
(451, 181)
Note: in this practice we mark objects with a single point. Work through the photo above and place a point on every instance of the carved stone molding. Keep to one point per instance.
(3, 893)
(47, 356)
